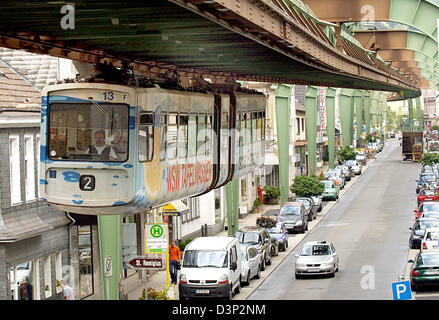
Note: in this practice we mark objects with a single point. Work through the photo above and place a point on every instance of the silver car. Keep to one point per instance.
(317, 258)
(250, 264)
(354, 166)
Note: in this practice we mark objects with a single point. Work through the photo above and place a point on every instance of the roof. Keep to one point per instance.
(210, 243)
(38, 69)
(15, 92)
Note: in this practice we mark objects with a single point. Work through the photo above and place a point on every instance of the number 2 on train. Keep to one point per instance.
(108, 95)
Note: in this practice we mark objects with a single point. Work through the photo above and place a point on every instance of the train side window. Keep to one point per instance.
(172, 136)
(183, 135)
(146, 137)
(224, 131)
(192, 144)
(209, 134)
(163, 134)
(201, 135)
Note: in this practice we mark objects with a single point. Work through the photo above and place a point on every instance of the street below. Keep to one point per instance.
(369, 227)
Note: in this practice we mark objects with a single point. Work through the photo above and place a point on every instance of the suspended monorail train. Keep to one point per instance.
(116, 149)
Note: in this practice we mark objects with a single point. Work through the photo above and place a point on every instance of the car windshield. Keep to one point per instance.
(88, 131)
(424, 224)
(247, 237)
(431, 236)
(205, 258)
(289, 211)
(428, 260)
(329, 184)
(428, 177)
(305, 202)
(427, 207)
(276, 229)
(315, 250)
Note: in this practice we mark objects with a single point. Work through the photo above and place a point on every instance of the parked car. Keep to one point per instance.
(355, 166)
(259, 238)
(425, 207)
(318, 202)
(429, 179)
(345, 170)
(428, 195)
(331, 190)
(430, 242)
(251, 264)
(317, 258)
(336, 176)
(280, 234)
(424, 270)
(293, 215)
(311, 209)
(418, 230)
(361, 156)
(211, 267)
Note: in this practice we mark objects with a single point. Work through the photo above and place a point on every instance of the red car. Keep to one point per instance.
(428, 195)
(426, 207)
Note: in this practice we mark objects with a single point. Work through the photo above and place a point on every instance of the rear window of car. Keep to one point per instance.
(328, 184)
(432, 236)
(428, 260)
(289, 210)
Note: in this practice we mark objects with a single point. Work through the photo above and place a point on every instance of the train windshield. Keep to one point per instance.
(88, 131)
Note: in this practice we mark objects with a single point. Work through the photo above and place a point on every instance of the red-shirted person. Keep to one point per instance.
(174, 258)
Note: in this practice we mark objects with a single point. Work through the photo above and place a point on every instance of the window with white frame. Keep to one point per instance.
(58, 271)
(38, 164)
(14, 169)
(47, 277)
(29, 167)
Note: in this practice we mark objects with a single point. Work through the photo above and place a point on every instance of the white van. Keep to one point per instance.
(211, 267)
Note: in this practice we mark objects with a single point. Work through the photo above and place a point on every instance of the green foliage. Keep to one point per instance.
(152, 294)
(271, 192)
(183, 244)
(307, 186)
(265, 222)
(429, 159)
(322, 176)
(256, 204)
(346, 153)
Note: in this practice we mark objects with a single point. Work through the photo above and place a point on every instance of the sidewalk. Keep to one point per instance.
(158, 280)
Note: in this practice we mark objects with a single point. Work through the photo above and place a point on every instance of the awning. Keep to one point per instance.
(271, 159)
(175, 208)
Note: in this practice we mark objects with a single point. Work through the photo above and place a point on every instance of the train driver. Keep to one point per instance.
(100, 147)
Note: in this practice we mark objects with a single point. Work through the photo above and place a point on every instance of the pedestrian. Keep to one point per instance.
(260, 193)
(68, 291)
(174, 260)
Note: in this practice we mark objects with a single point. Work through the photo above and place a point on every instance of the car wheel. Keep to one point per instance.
(414, 286)
(230, 293)
(263, 265)
(238, 287)
(332, 275)
(258, 275)
(306, 229)
(286, 244)
(320, 208)
(269, 260)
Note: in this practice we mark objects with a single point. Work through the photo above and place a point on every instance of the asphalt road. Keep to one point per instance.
(369, 228)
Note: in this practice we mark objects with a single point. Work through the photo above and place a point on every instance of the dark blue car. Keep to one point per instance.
(280, 234)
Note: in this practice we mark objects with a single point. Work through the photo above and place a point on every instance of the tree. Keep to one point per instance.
(307, 186)
(429, 159)
(346, 153)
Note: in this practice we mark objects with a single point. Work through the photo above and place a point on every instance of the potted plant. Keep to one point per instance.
(152, 294)
(256, 205)
(272, 195)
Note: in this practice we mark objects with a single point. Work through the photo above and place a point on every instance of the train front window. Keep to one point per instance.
(88, 131)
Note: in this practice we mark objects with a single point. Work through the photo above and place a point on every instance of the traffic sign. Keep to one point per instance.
(156, 237)
(145, 263)
(401, 290)
(108, 265)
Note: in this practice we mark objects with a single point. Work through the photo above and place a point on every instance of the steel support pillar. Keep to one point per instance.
(110, 248)
(374, 110)
(311, 126)
(346, 105)
(366, 104)
(419, 115)
(232, 206)
(358, 115)
(330, 124)
(282, 107)
(410, 101)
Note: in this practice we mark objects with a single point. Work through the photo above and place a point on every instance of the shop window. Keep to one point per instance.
(47, 277)
(244, 189)
(85, 253)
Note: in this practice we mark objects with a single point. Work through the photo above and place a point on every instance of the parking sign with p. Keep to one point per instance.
(401, 290)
